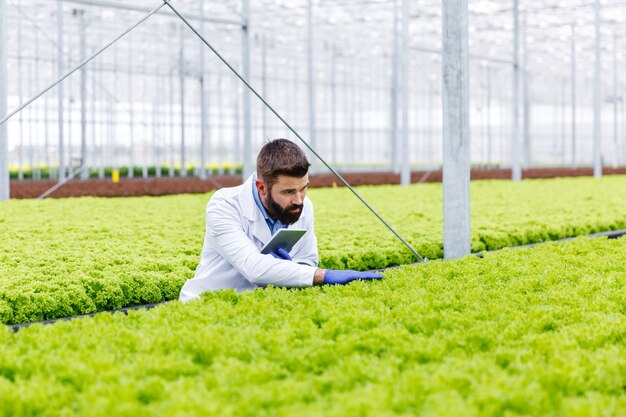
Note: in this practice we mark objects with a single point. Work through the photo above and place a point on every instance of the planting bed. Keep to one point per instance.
(537, 331)
(178, 185)
(67, 257)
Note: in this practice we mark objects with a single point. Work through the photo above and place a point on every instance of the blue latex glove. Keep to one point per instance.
(280, 253)
(337, 276)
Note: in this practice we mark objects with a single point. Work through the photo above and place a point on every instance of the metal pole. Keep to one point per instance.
(46, 121)
(237, 129)
(103, 129)
(597, 100)
(489, 145)
(247, 115)
(333, 104)
(394, 92)
(131, 113)
(5, 184)
(181, 66)
(616, 153)
(203, 113)
(456, 132)
(417, 255)
(311, 77)
(573, 62)
(623, 123)
(347, 113)
(155, 146)
(31, 115)
(171, 112)
(94, 92)
(516, 170)
(430, 138)
(20, 76)
(405, 173)
(61, 172)
(264, 83)
(113, 117)
(350, 156)
(84, 174)
(563, 122)
(526, 97)
(222, 149)
(111, 133)
(145, 160)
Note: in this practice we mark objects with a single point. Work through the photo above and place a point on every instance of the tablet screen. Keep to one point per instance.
(284, 238)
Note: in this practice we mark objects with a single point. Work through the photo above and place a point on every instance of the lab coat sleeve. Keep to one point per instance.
(226, 236)
(305, 251)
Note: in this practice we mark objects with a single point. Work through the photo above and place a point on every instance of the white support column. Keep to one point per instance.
(616, 150)
(60, 70)
(527, 163)
(597, 100)
(131, 112)
(181, 66)
(516, 169)
(264, 84)
(573, 68)
(203, 110)
(311, 79)
(248, 166)
(405, 172)
(333, 104)
(489, 138)
(20, 93)
(84, 173)
(172, 121)
(393, 157)
(456, 132)
(563, 82)
(5, 191)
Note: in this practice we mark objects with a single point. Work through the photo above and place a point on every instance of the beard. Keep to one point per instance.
(288, 215)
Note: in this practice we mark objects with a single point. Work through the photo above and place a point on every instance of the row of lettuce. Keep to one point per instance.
(67, 257)
(45, 172)
(533, 331)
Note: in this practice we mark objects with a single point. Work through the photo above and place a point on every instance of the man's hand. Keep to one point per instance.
(280, 253)
(336, 276)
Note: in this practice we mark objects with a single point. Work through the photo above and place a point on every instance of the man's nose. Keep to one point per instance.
(298, 198)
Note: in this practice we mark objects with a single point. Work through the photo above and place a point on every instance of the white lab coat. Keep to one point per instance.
(235, 232)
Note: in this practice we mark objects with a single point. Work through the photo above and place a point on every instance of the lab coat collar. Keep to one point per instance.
(249, 208)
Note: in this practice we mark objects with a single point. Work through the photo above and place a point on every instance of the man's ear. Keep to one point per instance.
(260, 186)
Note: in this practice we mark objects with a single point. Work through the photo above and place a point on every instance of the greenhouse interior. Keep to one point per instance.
(160, 254)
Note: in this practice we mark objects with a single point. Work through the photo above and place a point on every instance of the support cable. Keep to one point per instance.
(92, 78)
(80, 65)
(76, 68)
(61, 183)
(293, 131)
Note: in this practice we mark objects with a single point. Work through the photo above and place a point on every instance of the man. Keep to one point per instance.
(240, 220)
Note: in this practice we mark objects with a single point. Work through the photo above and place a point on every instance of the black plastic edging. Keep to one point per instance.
(16, 327)
(123, 310)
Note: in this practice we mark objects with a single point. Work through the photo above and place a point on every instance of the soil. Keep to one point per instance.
(163, 186)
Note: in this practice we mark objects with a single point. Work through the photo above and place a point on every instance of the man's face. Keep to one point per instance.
(285, 200)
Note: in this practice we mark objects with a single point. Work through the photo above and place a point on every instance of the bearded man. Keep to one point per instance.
(240, 220)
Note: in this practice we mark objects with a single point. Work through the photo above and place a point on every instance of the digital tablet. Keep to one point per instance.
(284, 238)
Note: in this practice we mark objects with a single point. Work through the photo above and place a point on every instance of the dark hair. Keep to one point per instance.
(281, 157)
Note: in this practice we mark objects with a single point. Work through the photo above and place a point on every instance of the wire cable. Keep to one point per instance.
(293, 131)
(80, 65)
